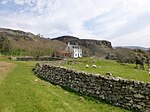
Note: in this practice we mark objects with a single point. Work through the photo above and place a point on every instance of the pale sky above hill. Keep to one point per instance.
(123, 22)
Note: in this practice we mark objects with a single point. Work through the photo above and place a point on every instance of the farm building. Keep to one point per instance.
(61, 54)
(75, 50)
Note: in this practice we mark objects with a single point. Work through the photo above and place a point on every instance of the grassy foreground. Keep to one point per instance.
(103, 66)
(20, 92)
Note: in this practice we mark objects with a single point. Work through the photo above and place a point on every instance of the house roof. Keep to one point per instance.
(74, 46)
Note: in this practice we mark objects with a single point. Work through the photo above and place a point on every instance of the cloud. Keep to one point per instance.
(20, 2)
(98, 19)
(134, 39)
(133, 26)
(4, 2)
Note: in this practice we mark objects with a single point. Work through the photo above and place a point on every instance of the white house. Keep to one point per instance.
(75, 50)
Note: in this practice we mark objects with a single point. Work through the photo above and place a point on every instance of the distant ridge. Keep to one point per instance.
(133, 47)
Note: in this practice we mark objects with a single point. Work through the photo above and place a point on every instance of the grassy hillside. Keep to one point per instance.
(103, 66)
(22, 91)
(20, 43)
(15, 42)
(126, 55)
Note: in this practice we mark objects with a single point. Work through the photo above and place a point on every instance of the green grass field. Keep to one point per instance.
(127, 71)
(19, 92)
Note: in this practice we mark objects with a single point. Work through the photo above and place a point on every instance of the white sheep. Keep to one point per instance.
(109, 74)
(94, 66)
(149, 72)
(87, 66)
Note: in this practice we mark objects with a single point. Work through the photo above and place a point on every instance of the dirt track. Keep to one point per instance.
(4, 69)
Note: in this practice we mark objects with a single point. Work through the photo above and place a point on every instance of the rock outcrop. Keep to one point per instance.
(89, 46)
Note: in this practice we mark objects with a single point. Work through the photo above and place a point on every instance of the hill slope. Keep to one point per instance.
(16, 42)
(90, 47)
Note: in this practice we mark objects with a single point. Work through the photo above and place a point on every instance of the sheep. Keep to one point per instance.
(109, 74)
(149, 72)
(100, 67)
(94, 66)
(81, 98)
(87, 66)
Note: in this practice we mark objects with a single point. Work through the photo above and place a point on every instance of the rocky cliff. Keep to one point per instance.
(90, 47)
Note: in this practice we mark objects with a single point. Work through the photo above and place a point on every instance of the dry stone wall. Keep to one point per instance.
(134, 95)
(31, 58)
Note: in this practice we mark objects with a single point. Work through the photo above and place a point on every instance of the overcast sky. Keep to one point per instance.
(123, 22)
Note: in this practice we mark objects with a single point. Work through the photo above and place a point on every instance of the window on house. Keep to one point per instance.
(76, 54)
